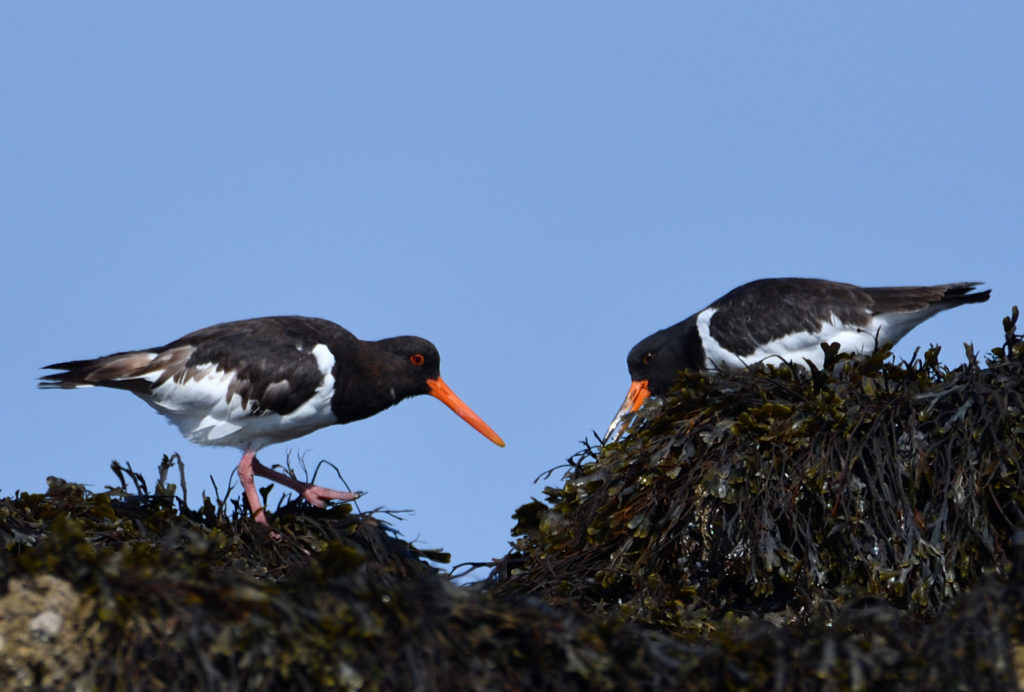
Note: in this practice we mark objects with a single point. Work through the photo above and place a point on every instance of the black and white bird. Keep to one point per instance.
(788, 319)
(251, 383)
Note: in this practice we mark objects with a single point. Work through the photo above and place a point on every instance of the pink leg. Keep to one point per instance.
(246, 467)
(314, 494)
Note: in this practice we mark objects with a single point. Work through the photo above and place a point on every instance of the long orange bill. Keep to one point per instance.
(635, 398)
(443, 392)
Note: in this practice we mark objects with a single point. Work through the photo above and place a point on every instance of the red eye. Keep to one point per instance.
(416, 359)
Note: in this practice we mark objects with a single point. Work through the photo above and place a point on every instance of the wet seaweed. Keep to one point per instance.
(789, 491)
(858, 526)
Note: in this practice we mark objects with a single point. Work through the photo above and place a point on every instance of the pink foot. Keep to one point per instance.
(317, 496)
(313, 494)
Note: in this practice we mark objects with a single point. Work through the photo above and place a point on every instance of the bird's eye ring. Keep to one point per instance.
(647, 358)
(416, 359)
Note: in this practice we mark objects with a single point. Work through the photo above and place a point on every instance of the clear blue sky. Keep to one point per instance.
(532, 186)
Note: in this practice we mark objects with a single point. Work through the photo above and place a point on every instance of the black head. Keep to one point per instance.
(654, 365)
(413, 366)
(409, 364)
(658, 359)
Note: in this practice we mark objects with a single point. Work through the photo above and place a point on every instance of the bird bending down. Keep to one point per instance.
(251, 383)
(787, 319)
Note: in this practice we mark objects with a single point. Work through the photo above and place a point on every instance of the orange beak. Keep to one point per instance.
(635, 398)
(443, 392)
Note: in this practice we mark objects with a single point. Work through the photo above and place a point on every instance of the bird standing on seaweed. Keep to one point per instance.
(251, 383)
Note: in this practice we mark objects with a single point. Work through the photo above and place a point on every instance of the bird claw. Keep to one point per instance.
(317, 496)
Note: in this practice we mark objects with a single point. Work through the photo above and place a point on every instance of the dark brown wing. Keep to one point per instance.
(762, 311)
(271, 359)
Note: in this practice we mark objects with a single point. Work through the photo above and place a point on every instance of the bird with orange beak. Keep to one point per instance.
(784, 319)
(251, 383)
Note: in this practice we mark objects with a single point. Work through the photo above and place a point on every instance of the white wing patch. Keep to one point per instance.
(801, 346)
(201, 409)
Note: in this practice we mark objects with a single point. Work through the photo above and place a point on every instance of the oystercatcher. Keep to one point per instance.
(252, 383)
(787, 319)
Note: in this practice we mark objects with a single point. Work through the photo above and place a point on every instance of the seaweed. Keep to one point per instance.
(857, 526)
